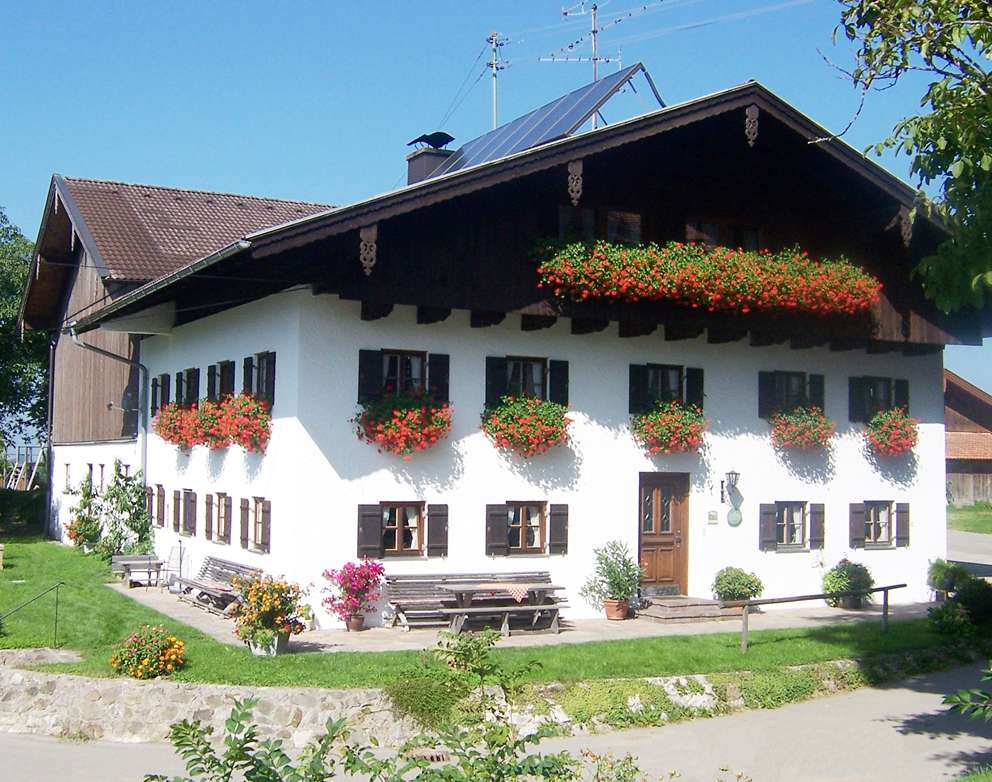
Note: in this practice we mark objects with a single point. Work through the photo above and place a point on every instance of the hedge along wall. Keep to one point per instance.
(22, 507)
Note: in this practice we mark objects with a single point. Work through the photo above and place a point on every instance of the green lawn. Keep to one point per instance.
(93, 618)
(974, 518)
(982, 775)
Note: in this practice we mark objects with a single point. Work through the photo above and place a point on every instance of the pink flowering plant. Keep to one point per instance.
(353, 589)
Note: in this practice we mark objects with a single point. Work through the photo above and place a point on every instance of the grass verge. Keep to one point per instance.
(973, 518)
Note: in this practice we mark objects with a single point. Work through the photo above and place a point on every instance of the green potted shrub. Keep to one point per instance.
(615, 580)
(733, 583)
(946, 577)
(847, 576)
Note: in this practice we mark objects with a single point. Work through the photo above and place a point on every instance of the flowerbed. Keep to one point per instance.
(803, 428)
(892, 432)
(403, 425)
(718, 279)
(149, 652)
(269, 607)
(669, 427)
(526, 426)
(235, 420)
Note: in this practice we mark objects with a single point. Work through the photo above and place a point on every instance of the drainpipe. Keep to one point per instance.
(49, 450)
(142, 394)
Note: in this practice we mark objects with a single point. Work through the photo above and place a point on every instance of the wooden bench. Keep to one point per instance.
(551, 607)
(127, 566)
(212, 588)
(418, 600)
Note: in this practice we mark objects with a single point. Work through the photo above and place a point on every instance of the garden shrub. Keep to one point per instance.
(950, 619)
(617, 575)
(771, 689)
(847, 576)
(428, 693)
(975, 595)
(946, 576)
(149, 652)
(733, 583)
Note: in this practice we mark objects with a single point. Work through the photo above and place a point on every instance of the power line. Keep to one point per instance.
(455, 101)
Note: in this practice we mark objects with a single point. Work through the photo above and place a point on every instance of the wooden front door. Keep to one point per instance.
(663, 503)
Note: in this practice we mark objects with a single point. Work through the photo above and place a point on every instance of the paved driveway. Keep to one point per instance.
(972, 548)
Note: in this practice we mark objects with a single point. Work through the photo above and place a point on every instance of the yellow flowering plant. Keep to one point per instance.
(148, 652)
(269, 607)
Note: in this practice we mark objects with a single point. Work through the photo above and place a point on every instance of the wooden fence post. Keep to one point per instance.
(885, 610)
(744, 615)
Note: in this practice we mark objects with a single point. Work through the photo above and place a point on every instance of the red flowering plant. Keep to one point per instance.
(246, 421)
(669, 427)
(717, 279)
(269, 607)
(892, 432)
(403, 424)
(213, 422)
(179, 425)
(353, 589)
(526, 426)
(802, 428)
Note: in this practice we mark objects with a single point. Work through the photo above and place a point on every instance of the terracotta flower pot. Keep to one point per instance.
(355, 623)
(616, 609)
(852, 603)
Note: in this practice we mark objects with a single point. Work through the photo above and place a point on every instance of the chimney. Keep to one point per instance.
(423, 162)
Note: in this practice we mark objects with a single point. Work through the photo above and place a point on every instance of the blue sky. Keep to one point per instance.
(316, 100)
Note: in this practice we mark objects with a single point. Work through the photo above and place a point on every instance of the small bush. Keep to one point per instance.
(947, 576)
(149, 652)
(428, 693)
(733, 583)
(975, 595)
(950, 619)
(847, 576)
(769, 690)
(617, 575)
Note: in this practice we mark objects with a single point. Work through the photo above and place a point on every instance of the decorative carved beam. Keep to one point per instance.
(479, 319)
(537, 322)
(725, 333)
(588, 325)
(674, 331)
(751, 124)
(432, 314)
(905, 221)
(373, 310)
(575, 181)
(637, 328)
(368, 237)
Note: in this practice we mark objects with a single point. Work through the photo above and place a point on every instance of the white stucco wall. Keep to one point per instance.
(316, 471)
(70, 464)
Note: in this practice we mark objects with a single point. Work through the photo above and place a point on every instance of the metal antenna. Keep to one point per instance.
(495, 42)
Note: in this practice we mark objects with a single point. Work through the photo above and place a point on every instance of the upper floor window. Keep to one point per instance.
(220, 380)
(724, 234)
(403, 372)
(784, 391)
(651, 383)
(526, 377)
(392, 372)
(259, 377)
(623, 227)
(870, 395)
(188, 387)
(536, 378)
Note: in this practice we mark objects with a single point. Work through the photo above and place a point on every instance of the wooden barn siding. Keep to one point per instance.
(971, 486)
(83, 381)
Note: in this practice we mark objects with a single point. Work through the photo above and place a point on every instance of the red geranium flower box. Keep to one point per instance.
(803, 429)
(403, 425)
(669, 427)
(526, 426)
(892, 432)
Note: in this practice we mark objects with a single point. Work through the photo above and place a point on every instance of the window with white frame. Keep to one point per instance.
(790, 523)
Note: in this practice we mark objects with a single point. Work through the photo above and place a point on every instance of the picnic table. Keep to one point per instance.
(503, 600)
(130, 565)
(535, 593)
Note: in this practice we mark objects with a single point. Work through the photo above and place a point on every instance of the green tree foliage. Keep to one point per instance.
(950, 140)
(22, 362)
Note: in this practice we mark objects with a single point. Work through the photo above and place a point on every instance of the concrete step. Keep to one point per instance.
(685, 609)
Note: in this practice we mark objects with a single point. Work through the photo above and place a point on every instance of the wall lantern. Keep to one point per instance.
(728, 485)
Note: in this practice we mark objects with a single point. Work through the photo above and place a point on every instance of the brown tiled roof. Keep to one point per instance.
(145, 231)
(968, 445)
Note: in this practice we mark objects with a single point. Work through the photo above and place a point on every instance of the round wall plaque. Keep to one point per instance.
(734, 517)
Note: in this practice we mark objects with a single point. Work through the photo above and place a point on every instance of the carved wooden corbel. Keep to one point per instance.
(368, 237)
(575, 181)
(905, 226)
(751, 124)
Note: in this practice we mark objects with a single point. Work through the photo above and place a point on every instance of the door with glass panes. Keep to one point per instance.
(663, 506)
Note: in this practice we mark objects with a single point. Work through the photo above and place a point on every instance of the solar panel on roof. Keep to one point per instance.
(553, 121)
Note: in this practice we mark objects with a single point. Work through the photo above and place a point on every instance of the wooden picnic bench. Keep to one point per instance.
(127, 566)
(212, 588)
(438, 599)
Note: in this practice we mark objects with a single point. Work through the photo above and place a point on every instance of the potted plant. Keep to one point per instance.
(847, 576)
(614, 581)
(270, 611)
(669, 427)
(403, 424)
(353, 590)
(804, 429)
(526, 426)
(945, 577)
(733, 583)
(892, 432)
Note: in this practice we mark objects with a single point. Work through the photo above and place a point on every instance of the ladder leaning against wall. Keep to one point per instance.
(20, 467)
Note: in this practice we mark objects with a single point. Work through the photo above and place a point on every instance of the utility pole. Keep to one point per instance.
(494, 42)
(595, 58)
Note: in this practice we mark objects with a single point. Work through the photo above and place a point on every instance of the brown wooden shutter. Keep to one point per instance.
(248, 375)
(164, 389)
(497, 531)
(900, 394)
(767, 529)
(266, 525)
(437, 530)
(370, 531)
(495, 380)
(180, 393)
(558, 382)
(438, 382)
(212, 382)
(766, 394)
(226, 378)
(269, 389)
(228, 518)
(154, 402)
(857, 525)
(817, 526)
(902, 524)
(193, 386)
(637, 392)
(244, 522)
(558, 529)
(192, 513)
(694, 386)
(149, 502)
(856, 411)
(177, 507)
(160, 506)
(815, 391)
(369, 375)
(208, 516)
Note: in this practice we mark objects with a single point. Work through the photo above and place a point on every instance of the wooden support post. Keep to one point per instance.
(744, 615)
(885, 610)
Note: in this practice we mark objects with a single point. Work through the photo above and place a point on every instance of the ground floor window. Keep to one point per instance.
(223, 518)
(402, 527)
(878, 522)
(526, 527)
(790, 523)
